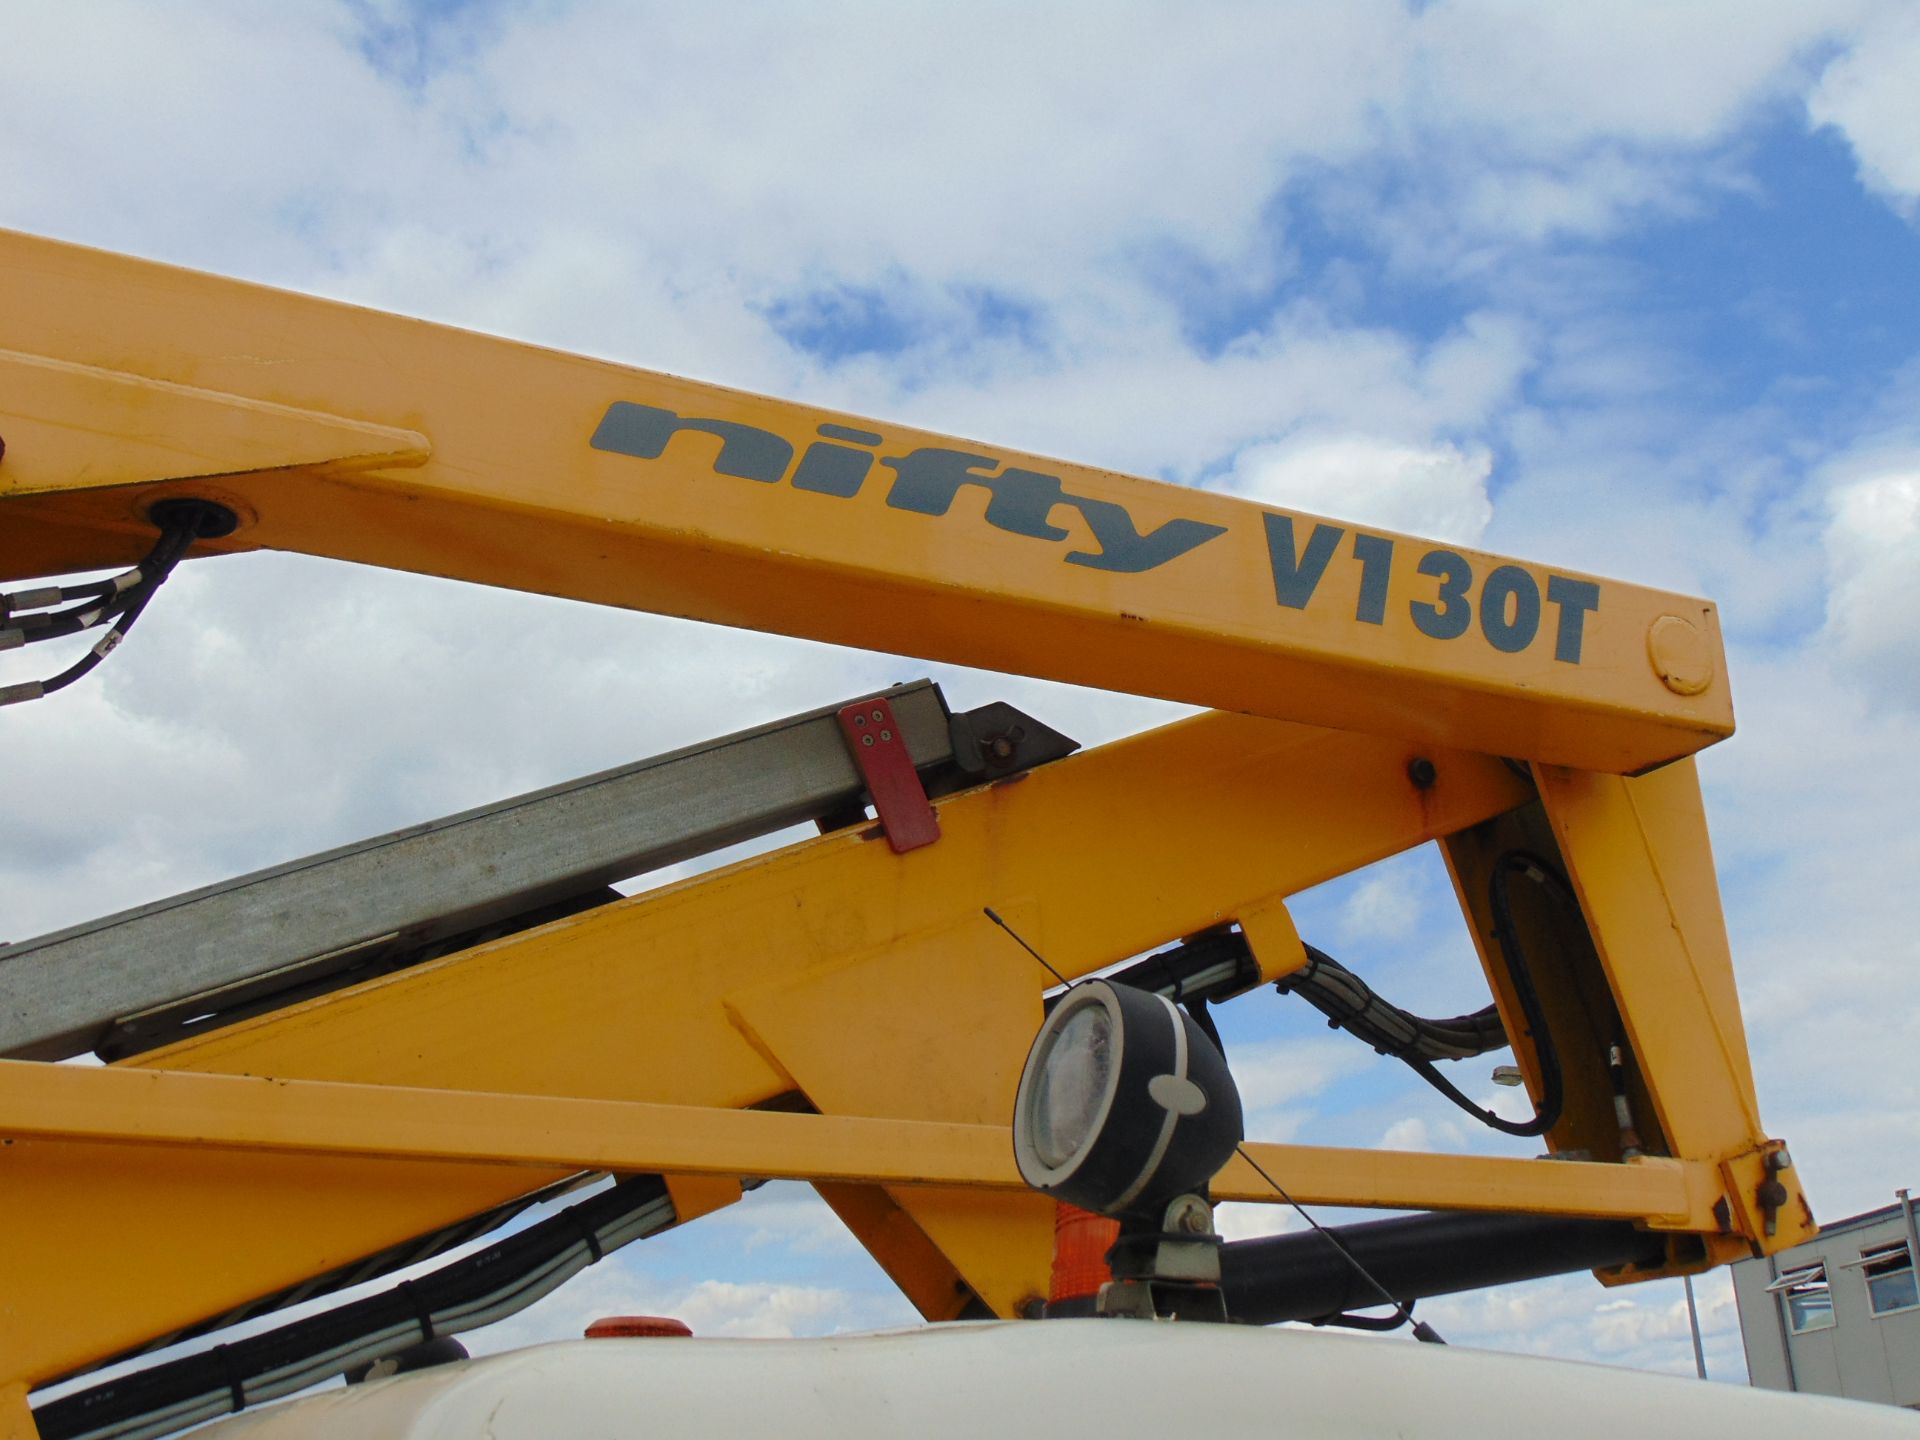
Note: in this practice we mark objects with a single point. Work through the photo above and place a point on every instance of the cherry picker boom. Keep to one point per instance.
(391, 1074)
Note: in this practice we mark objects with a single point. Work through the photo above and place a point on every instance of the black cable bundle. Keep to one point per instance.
(28, 617)
(1347, 1001)
(477, 1290)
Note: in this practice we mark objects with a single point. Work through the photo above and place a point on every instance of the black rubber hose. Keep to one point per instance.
(1348, 1002)
(1305, 1277)
(182, 528)
(229, 1367)
(1197, 1008)
(1351, 1004)
(137, 601)
(1552, 1083)
(1377, 1324)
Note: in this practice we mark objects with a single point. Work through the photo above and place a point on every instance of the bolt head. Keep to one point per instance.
(1188, 1215)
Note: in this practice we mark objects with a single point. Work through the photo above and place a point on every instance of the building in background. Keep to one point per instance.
(1840, 1313)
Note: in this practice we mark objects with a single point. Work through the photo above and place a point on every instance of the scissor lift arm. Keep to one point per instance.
(1389, 692)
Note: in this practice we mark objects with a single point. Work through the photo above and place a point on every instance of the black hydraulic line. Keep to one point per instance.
(94, 602)
(128, 613)
(99, 600)
(119, 600)
(417, 1250)
(1197, 1008)
(1216, 966)
(1377, 1324)
(1350, 1003)
(410, 1306)
(1305, 1277)
(1552, 1087)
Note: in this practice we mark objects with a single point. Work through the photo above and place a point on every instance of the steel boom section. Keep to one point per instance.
(711, 993)
(369, 437)
(157, 1108)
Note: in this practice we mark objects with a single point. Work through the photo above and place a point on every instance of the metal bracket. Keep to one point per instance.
(995, 739)
(880, 754)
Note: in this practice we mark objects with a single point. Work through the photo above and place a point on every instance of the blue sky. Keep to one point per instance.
(1630, 289)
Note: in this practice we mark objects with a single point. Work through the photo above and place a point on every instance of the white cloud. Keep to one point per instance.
(721, 1308)
(1644, 1326)
(1241, 1221)
(789, 1217)
(267, 707)
(1868, 94)
(1550, 79)
(1873, 603)
(911, 132)
(1278, 1079)
(712, 1308)
(1384, 905)
(1812, 803)
(1417, 1133)
(1437, 490)
(1408, 1134)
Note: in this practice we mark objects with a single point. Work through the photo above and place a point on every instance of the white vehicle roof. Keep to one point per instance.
(1061, 1379)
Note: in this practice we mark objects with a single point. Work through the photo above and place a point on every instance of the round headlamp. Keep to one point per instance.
(1123, 1104)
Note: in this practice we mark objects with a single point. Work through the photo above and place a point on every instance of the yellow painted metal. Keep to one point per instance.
(1787, 1223)
(1568, 978)
(16, 1419)
(1666, 1194)
(77, 1216)
(1000, 1242)
(1641, 860)
(929, 1280)
(632, 1037)
(1273, 938)
(662, 998)
(138, 1111)
(1017, 563)
(697, 1195)
(1638, 853)
(166, 431)
(940, 1024)
(134, 1108)
(1644, 964)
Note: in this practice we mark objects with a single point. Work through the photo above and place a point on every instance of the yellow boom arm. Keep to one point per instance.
(341, 432)
(1379, 681)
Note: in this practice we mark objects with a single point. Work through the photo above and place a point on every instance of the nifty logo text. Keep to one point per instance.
(1509, 602)
(925, 481)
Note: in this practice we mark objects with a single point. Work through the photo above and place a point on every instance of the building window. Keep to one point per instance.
(1809, 1300)
(1889, 1272)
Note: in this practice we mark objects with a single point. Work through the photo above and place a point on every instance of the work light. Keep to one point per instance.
(1123, 1105)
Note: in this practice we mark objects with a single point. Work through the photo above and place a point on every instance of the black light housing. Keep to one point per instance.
(1123, 1105)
